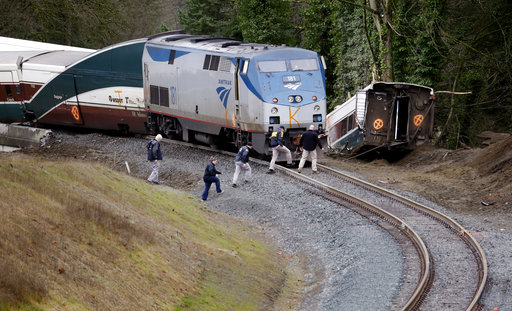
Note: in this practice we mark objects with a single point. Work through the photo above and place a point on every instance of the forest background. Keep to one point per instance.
(460, 48)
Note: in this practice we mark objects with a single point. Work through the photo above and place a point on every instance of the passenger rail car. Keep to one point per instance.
(23, 73)
(216, 90)
(102, 90)
(384, 114)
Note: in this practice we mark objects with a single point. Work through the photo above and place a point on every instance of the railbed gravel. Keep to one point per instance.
(351, 263)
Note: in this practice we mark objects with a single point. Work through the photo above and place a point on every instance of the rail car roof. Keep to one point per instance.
(53, 60)
(212, 44)
(13, 44)
(9, 60)
(397, 85)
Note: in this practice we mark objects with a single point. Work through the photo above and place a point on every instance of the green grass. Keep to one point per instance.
(83, 237)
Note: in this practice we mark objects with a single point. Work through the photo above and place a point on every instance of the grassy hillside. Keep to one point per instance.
(79, 236)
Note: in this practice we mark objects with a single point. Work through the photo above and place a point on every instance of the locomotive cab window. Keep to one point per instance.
(309, 64)
(272, 66)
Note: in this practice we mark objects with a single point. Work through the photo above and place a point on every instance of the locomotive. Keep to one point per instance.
(217, 90)
(392, 115)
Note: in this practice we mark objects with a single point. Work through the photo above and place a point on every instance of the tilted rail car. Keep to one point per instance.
(216, 90)
(25, 66)
(101, 90)
(392, 115)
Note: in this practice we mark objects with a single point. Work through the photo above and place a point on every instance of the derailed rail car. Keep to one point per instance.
(217, 90)
(391, 115)
(100, 90)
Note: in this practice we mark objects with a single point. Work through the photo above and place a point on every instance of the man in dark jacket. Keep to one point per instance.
(154, 156)
(242, 163)
(210, 176)
(277, 145)
(308, 143)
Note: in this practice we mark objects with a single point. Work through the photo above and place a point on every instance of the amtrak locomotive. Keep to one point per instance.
(216, 90)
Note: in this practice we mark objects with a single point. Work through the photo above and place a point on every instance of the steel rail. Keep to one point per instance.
(425, 274)
(476, 250)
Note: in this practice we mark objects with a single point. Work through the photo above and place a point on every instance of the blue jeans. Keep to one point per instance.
(208, 183)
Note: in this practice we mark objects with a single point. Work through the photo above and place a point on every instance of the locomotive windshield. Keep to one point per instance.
(272, 66)
(309, 64)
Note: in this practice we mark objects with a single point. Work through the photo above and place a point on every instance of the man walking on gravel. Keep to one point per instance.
(277, 145)
(210, 176)
(154, 156)
(308, 143)
(242, 163)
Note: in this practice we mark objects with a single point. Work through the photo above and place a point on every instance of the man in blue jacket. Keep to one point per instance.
(210, 176)
(242, 163)
(154, 156)
(277, 145)
(308, 143)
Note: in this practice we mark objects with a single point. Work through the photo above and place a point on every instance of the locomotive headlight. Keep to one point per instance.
(274, 110)
(317, 107)
(298, 98)
(290, 99)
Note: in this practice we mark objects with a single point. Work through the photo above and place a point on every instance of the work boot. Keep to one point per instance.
(234, 185)
(270, 171)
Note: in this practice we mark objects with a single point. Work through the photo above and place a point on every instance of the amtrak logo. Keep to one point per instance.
(293, 86)
(223, 95)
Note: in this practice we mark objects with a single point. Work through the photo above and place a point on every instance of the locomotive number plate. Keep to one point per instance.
(291, 79)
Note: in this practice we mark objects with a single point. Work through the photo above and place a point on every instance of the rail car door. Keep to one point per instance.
(401, 116)
(65, 100)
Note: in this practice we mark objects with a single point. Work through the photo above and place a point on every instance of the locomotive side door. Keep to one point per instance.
(241, 101)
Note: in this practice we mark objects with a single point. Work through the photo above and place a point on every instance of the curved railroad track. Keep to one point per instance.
(457, 262)
(447, 269)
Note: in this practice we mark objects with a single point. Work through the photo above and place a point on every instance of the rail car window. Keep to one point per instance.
(8, 91)
(272, 66)
(154, 95)
(309, 64)
(164, 96)
(245, 66)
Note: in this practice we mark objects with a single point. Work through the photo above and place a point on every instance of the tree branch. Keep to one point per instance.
(453, 92)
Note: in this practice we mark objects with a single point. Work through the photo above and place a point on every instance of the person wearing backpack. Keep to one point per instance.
(154, 157)
(277, 145)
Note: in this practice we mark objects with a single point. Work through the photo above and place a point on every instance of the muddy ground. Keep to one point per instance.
(472, 182)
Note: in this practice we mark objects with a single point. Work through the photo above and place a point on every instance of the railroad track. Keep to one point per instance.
(457, 265)
(447, 268)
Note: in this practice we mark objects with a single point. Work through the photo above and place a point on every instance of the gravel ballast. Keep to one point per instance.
(350, 262)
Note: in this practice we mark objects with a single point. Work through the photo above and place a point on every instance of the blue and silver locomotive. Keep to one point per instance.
(216, 90)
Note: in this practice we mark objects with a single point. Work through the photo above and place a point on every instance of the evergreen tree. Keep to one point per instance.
(210, 17)
(266, 21)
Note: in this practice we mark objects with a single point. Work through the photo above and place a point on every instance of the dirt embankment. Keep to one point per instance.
(473, 181)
